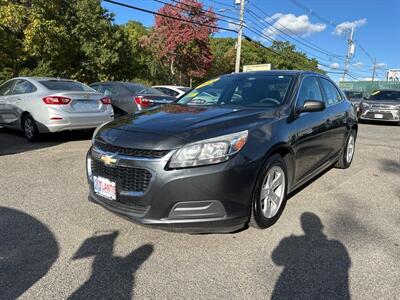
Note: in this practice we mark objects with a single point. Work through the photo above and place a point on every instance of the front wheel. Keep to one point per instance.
(30, 129)
(270, 195)
(347, 155)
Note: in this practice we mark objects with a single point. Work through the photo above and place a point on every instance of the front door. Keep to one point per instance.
(310, 141)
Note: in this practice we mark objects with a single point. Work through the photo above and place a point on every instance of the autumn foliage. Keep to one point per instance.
(184, 45)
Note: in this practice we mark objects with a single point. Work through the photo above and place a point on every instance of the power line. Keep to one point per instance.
(167, 16)
(299, 39)
(261, 30)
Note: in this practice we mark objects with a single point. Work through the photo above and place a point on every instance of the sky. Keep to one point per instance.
(320, 28)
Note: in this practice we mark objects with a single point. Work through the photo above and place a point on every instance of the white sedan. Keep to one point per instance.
(37, 105)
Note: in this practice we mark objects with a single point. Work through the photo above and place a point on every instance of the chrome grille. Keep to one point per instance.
(131, 152)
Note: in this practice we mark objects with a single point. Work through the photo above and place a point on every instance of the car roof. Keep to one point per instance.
(170, 86)
(274, 72)
(38, 78)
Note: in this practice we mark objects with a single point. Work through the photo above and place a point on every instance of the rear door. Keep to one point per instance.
(337, 116)
(311, 141)
(6, 114)
(21, 96)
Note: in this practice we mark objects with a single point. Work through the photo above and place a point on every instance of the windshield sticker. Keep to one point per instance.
(193, 94)
(207, 83)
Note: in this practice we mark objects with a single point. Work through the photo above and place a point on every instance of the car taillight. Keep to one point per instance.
(106, 100)
(56, 100)
(143, 101)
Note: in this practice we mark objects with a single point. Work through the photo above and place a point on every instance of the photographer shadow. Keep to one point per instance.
(315, 267)
(112, 277)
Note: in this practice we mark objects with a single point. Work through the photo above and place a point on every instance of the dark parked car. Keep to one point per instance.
(130, 97)
(382, 105)
(224, 155)
(355, 97)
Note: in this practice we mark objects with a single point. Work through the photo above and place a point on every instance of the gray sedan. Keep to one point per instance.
(40, 104)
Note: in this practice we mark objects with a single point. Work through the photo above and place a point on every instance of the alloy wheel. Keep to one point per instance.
(350, 149)
(29, 128)
(272, 191)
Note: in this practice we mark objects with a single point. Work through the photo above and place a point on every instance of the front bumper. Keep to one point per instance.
(214, 198)
(385, 115)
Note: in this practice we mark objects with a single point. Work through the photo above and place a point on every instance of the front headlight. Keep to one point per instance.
(364, 105)
(210, 151)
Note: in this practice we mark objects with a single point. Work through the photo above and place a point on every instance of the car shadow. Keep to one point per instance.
(14, 141)
(112, 277)
(390, 166)
(314, 267)
(27, 251)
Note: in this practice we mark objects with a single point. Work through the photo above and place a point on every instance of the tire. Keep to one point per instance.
(263, 216)
(346, 158)
(30, 128)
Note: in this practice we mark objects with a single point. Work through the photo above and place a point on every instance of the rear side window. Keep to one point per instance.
(66, 85)
(6, 88)
(309, 90)
(23, 87)
(331, 92)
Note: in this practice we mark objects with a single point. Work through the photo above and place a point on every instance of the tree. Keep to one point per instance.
(184, 45)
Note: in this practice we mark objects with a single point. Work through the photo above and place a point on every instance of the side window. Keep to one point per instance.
(6, 88)
(23, 87)
(108, 90)
(309, 90)
(170, 92)
(332, 94)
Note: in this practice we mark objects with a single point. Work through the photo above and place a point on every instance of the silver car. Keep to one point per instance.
(40, 104)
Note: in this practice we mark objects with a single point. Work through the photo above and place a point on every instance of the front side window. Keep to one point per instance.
(331, 92)
(23, 87)
(309, 90)
(252, 91)
(66, 85)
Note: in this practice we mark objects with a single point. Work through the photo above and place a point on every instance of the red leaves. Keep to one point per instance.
(185, 42)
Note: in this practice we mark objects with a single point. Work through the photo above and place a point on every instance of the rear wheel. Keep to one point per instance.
(30, 129)
(270, 195)
(348, 152)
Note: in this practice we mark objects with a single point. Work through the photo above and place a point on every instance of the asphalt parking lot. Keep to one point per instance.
(338, 237)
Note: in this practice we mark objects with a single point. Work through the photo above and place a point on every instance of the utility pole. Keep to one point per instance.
(239, 39)
(350, 52)
(374, 70)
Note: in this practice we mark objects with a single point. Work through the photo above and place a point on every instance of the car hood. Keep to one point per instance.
(171, 126)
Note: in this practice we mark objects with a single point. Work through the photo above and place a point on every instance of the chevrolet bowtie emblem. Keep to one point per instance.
(108, 160)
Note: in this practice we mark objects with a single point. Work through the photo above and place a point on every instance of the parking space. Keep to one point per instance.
(55, 244)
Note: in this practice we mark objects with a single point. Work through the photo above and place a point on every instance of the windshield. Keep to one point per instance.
(353, 95)
(66, 85)
(252, 91)
(385, 95)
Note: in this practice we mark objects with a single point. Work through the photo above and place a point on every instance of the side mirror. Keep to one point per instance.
(311, 106)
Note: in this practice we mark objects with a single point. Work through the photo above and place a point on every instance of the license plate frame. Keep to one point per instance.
(105, 187)
(378, 116)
